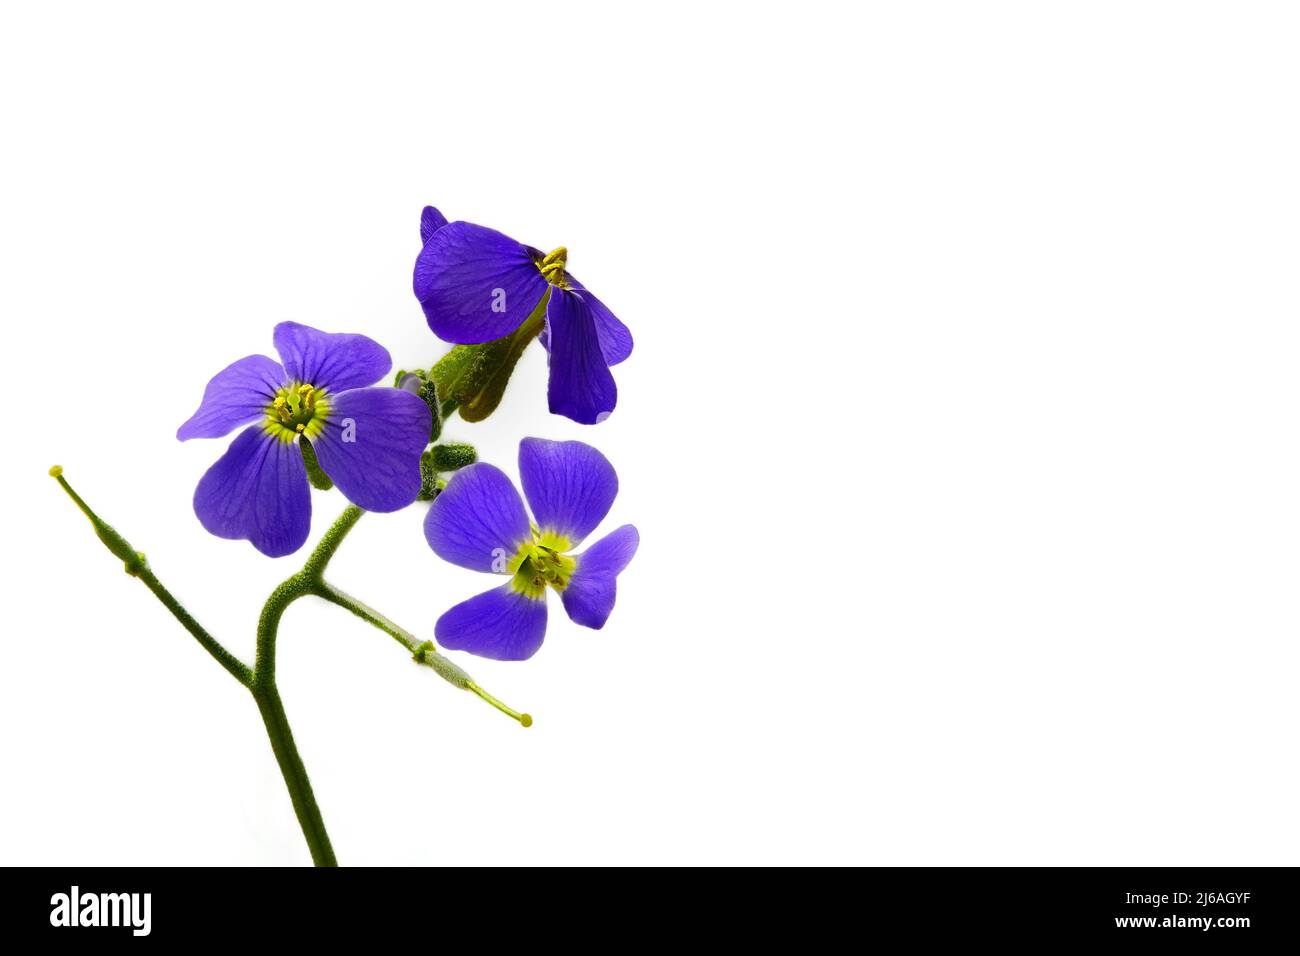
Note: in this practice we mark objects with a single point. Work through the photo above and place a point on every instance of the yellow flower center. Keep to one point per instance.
(296, 410)
(540, 562)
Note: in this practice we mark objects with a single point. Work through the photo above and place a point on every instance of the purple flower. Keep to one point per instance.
(367, 440)
(479, 522)
(478, 285)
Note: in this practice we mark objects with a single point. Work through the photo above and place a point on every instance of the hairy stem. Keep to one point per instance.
(294, 773)
(314, 569)
(424, 652)
(267, 694)
(323, 589)
(260, 679)
(138, 567)
(236, 668)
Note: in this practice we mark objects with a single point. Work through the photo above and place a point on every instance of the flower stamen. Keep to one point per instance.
(553, 265)
(540, 562)
(296, 410)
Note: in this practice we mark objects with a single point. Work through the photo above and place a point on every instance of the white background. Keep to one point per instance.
(960, 429)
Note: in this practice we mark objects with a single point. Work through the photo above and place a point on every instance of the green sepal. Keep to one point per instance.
(452, 455)
(428, 477)
(428, 391)
(475, 376)
(315, 474)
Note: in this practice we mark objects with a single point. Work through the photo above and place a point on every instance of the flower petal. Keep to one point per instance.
(476, 284)
(569, 485)
(431, 220)
(503, 624)
(371, 444)
(590, 595)
(581, 387)
(333, 361)
(615, 338)
(257, 490)
(478, 522)
(235, 396)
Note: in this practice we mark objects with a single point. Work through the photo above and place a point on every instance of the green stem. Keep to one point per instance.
(267, 696)
(138, 567)
(323, 589)
(237, 668)
(314, 569)
(260, 679)
(309, 580)
(295, 773)
(312, 577)
(423, 651)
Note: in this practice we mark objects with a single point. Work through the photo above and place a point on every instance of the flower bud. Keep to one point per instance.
(452, 456)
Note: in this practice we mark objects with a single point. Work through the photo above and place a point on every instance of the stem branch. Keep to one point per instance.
(233, 665)
(269, 705)
(423, 651)
(260, 679)
(323, 589)
(138, 567)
